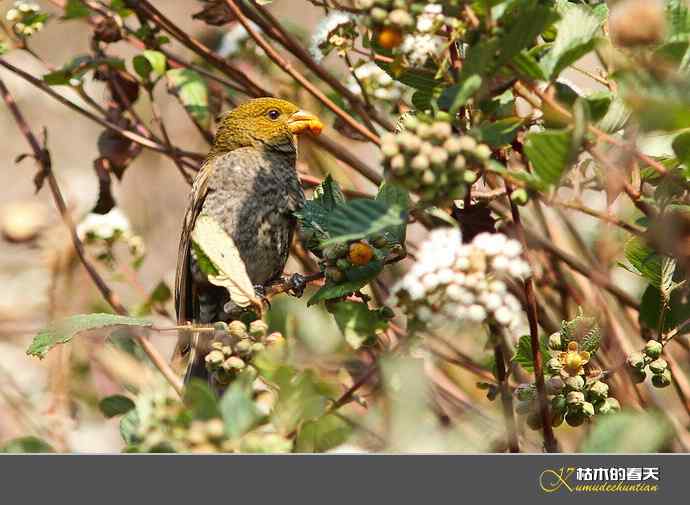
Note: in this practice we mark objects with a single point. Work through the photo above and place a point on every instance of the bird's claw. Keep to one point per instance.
(295, 285)
(260, 292)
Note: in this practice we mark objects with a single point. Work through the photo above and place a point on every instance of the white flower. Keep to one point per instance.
(12, 15)
(376, 82)
(452, 281)
(104, 225)
(232, 41)
(323, 33)
(419, 48)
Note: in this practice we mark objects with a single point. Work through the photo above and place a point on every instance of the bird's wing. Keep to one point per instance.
(183, 284)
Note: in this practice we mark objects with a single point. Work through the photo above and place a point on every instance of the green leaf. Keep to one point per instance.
(584, 330)
(129, 427)
(357, 322)
(629, 432)
(192, 91)
(681, 147)
(201, 400)
(75, 9)
(550, 153)
(498, 133)
(362, 217)
(24, 445)
(322, 434)
(149, 62)
(532, 19)
(363, 275)
(456, 96)
(526, 66)
(328, 194)
(616, 116)
(115, 405)
(77, 67)
(659, 104)
(677, 309)
(64, 330)
(523, 352)
(576, 37)
(649, 264)
(239, 412)
(394, 195)
(303, 397)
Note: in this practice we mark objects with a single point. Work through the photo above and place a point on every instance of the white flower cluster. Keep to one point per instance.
(376, 82)
(419, 48)
(26, 18)
(104, 226)
(335, 31)
(452, 281)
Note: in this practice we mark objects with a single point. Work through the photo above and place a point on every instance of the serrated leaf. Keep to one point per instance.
(115, 405)
(237, 407)
(328, 194)
(357, 322)
(456, 96)
(329, 291)
(26, 445)
(209, 236)
(322, 434)
(393, 195)
(526, 66)
(360, 218)
(64, 330)
(523, 353)
(577, 31)
(677, 309)
(550, 153)
(498, 133)
(629, 432)
(651, 265)
(201, 401)
(584, 330)
(192, 90)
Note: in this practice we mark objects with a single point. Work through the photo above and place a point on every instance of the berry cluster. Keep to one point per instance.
(452, 281)
(377, 84)
(26, 18)
(235, 345)
(432, 160)
(339, 259)
(165, 425)
(575, 394)
(650, 358)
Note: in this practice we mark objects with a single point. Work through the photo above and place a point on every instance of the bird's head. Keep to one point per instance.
(264, 122)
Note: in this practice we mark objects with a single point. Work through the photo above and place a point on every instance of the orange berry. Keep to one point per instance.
(390, 38)
(360, 253)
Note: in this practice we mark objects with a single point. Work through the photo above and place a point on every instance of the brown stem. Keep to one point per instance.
(42, 156)
(506, 397)
(550, 443)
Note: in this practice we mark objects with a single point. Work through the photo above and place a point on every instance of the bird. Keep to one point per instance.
(249, 185)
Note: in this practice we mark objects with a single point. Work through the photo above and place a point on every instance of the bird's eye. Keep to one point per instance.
(273, 114)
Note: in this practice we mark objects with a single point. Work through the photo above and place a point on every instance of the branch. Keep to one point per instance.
(42, 156)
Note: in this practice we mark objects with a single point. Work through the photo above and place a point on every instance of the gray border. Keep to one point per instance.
(319, 479)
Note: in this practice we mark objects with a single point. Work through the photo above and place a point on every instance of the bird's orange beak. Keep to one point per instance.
(302, 121)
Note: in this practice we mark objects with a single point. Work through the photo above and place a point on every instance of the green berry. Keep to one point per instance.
(598, 390)
(234, 363)
(533, 420)
(575, 383)
(524, 392)
(214, 359)
(523, 407)
(658, 366)
(554, 385)
(661, 380)
(559, 404)
(637, 375)
(636, 360)
(237, 329)
(575, 418)
(653, 349)
(221, 326)
(587, 409)
(258, 328)
(519, 196)
(553, 366)
(243, 347)
(575, 398)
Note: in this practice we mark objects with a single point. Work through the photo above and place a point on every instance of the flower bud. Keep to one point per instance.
(559, 404)
(519, 196)
(333, 274)
(243, 347)
(575, 383)
(555, 343)
(553, 366)
(419, 163)
(360, 253)
(658, 366)
(234, 363)
(467, 143)
(215, 429)
(214, 359)
(554, 385)
(575, 398)
(389, 149)
(587, 409)
(525, 392)
(637, 375)
(400, 17)
(258, 328)
(237, 329)
(483, 152)
(661, 380)
(397, 164)
(636, 360)
(343, 264)
(438, 156)
(653, 349)
(575, 418)
(533, 420)
(599, 390)
(441, 130)
(428, 178)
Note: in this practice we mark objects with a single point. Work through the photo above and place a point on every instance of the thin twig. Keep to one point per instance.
(42, 157)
